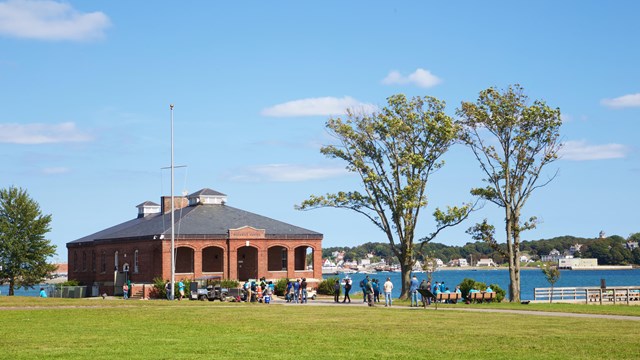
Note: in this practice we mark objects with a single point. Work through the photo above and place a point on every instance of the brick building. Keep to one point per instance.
(211, 238)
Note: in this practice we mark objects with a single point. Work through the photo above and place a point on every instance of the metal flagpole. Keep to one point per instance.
(173, 252)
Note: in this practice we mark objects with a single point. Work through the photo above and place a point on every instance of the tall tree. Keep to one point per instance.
(513, 141)
(394, 152)
(23, 247)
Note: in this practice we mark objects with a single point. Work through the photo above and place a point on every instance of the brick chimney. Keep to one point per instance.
(179, 202)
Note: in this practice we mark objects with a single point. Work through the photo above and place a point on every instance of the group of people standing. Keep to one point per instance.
(259, 292)
(167, 289)
(296, 291)
(371, 290)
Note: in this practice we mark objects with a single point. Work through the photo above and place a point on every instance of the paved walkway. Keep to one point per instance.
(329, 302)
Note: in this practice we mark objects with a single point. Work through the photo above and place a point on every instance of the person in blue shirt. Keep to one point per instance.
(413, 291)
(296, 291)
(43, 294)
(489, 289)
(442, 287)
(181, 290)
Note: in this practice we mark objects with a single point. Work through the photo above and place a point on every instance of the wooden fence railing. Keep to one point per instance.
(619, 294)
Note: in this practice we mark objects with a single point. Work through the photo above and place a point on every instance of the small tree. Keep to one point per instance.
(23, 248)
(552, 273)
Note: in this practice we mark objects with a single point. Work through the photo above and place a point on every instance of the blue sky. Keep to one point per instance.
(86, 88)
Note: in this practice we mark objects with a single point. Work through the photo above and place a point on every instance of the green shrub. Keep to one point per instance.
(500, 293)
(326, 286)
(158, 291)
(465, 286)
(70, 283)
(281, 286)
(480, 286)
(227, 283)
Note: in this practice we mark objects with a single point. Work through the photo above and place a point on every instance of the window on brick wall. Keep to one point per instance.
(116, 265)
(284, 258)
(135, 262)
(75, 261)
(93, 260)
(103, 262)
(84, 261)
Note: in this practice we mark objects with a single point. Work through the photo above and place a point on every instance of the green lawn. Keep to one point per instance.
(102, 329)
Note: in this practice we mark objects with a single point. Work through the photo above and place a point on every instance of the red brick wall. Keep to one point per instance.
(154, 259)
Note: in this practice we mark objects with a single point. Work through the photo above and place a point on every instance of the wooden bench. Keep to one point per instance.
(450, 297)
(482, 296)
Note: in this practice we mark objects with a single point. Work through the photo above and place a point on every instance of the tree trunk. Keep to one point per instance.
(509, 232)
(11, 285)
(405, 271)
(516, 254)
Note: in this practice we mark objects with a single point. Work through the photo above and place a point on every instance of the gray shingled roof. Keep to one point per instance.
(207, 192)
(199, 220)
(148, 203)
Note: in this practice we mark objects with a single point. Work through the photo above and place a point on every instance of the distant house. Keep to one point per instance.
(365, 262)
(486, 262)
(554, 256)
(631, 245)
(328, 263)
(575, 248)
(458, 262)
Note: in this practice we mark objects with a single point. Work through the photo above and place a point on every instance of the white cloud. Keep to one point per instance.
(581, 151)
(50, 20)
(323, 106)
(288, 173)
(420, 77)
(631, 100)
(55, 170)
(42, 133)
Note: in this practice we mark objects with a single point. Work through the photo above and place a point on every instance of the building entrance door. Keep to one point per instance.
(247, 263)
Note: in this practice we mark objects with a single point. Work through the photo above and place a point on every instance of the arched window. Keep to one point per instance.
(135, 262)
(116, 268)
(184, 260)
(277, 258)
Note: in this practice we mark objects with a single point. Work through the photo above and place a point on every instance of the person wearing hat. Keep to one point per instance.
(413, 291)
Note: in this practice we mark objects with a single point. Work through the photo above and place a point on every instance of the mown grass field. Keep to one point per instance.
(103, 329)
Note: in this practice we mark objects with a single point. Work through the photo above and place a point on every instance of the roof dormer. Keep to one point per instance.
(148, 208)
(207, 197)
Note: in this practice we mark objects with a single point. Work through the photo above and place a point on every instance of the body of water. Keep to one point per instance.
(530, 279)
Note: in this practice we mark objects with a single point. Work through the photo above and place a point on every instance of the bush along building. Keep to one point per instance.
(211, 238)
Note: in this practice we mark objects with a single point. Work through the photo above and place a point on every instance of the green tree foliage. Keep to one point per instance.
(552, 274)
(23, 248)
(394, 152)
(512, 141)
(609, 251)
